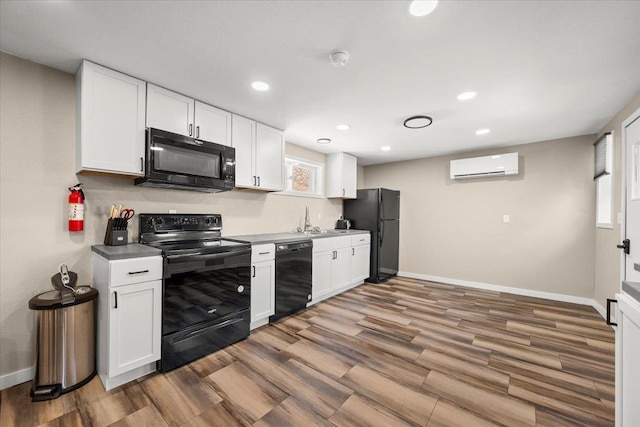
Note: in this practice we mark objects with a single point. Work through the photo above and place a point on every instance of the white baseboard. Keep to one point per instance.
(15, 378)
(518, 291)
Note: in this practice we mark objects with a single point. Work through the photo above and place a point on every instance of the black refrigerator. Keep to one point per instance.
(378, 210)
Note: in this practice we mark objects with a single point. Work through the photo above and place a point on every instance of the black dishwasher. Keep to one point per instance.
(293, 277)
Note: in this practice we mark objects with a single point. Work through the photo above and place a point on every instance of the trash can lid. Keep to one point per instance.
(51, 299)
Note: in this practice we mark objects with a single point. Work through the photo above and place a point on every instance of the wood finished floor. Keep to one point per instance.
(403, 353)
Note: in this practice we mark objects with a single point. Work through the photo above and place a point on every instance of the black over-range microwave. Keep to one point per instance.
(180, 162)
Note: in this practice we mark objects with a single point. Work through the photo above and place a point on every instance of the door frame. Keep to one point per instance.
(623, 226)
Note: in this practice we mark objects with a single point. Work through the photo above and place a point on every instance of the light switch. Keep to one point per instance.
(506, 219)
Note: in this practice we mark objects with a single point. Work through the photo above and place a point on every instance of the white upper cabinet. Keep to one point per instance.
(243, 139)
(169, 111)
(180, 114)
(259, 155)
(342, 176)
(212, 124)
(269, 158)
(111, 121)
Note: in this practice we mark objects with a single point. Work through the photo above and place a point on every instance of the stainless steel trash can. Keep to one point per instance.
(65, 342)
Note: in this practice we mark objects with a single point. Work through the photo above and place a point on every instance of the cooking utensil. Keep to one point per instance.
(127, 214)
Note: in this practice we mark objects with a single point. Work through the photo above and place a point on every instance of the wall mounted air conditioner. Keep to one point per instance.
(480, 167)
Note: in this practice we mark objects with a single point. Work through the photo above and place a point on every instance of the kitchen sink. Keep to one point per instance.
(320, 232)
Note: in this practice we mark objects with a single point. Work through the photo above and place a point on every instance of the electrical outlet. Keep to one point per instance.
(506, 219)
(172, 211)
(319, 215)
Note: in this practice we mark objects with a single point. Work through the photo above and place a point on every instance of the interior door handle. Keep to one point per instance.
(625, 246)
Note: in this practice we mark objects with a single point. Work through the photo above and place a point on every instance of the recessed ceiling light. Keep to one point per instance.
(260, 86)
(482, 131)
(342, 127)
(385, 148)
(323, 140)
(466, 95)
(422, 7)
(417, 122)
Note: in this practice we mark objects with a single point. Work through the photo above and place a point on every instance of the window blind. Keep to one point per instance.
(602, 152)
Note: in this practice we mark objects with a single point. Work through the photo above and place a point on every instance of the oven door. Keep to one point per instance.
(177, 161)
(206, 305)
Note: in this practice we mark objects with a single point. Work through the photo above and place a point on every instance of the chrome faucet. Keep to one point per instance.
(307, 222)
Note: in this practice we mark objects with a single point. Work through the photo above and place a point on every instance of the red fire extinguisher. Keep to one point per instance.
(76, 208)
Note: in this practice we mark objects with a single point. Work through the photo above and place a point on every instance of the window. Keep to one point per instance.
(603, 175)
(303, 178)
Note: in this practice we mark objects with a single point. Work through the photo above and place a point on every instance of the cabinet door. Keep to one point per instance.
(263, 291)
(134, 326)
(627, 367)
(349, 176)
(321, 274)
(269, 158)
(169, 111)
(112, 121)
(212, 124)
(340, 269)
(243, 139)
(359, 263)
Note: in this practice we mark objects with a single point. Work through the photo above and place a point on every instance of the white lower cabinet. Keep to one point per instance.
(129, 317)
(338, 265)
(627, 367)
(360, 250)
(263, 279)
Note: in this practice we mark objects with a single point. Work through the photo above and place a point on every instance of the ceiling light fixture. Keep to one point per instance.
(482, 131)
(323, 140)
(422, 7)
(343, 127)
(466, 95)
(339, 58)
(385, 148)
(260, 86)
(418, 122)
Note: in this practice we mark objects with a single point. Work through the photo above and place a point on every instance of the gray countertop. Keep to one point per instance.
(632, 288)
(132, 250)
(291, 237)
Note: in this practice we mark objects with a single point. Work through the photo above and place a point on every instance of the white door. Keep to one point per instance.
(340, 269)
(631, 130)
(263, 295)
(135, 321)
(350, 176)
(321, 274)
(169, 111)
(359, 263)
(212, 124)
(243, 139)
(269, 158)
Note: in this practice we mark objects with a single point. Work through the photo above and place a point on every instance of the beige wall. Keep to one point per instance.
(454, 229)
(607, 256)
(37, 152)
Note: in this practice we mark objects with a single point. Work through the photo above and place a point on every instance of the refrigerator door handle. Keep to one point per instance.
(381, 231)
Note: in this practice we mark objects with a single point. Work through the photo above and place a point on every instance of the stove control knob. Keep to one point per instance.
(208, 221)
(240, 289)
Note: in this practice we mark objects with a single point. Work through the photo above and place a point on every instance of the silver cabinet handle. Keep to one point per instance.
(254, 181)
(353, 251)
(115, 294)
(254, 271)
(263, 253)
(258, 181)
(197, 131)
(139, 272)
(190, 129)
(141, 164)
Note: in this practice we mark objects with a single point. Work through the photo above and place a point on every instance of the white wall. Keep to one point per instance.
(37, 155)
(454, 229)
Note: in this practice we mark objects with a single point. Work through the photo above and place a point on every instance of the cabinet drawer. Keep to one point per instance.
(360, 239)
(331, 243)
(138, 270)
(262, 252)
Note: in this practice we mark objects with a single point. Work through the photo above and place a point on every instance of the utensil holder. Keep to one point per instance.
(117, 233)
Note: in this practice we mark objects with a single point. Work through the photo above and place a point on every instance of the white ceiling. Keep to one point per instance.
(542, 69)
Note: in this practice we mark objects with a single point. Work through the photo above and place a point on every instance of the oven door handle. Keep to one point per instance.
(191, 257)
